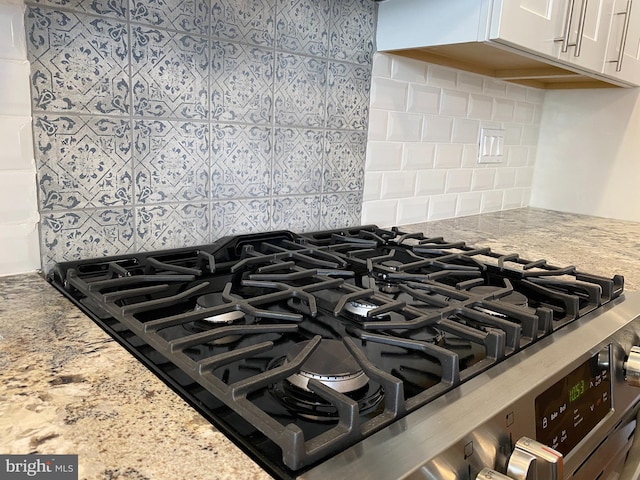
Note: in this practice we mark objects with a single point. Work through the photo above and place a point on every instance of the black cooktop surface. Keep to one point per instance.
(299, 345)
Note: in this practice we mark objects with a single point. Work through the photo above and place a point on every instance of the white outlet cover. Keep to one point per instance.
(491, 149)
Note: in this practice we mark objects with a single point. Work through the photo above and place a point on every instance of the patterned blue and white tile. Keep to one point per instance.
(82, 162)
(241, 158)
(298, 214)
(171, 161)
(340, 210)
(348, 96)
(105, 8)
(186, 17)
(300, 90)
(352, 31)
(241, 83)
(79, 63)
(302, 26)
(246, 21)
(297, 164)
(170, 74)
(344, 160)
(235, 217)
(175, 225)
(78, 234)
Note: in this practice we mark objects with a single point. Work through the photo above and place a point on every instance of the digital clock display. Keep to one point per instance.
(576, 391)
(568, 410)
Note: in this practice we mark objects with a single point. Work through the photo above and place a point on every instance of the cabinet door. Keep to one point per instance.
(533, 25)
(588, 34)
(623, 53)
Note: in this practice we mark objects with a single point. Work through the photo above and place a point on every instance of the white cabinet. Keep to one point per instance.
(622, 59)
(534, 25)
(543, 43)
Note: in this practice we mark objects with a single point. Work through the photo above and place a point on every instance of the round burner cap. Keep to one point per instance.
(331, 364)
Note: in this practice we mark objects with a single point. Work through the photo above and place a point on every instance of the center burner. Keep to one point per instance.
(331, 364)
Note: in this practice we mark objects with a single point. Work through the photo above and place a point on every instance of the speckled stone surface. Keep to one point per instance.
(68, 388)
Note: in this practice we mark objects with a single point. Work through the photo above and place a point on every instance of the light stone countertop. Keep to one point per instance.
(68, 388)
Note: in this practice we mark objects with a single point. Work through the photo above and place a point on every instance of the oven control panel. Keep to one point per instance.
(568, 410)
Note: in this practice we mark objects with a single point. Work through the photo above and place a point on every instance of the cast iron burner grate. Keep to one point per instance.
(299, 346)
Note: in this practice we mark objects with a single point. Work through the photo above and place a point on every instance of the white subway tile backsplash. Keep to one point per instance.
(470, 156)
(503, 110)
(524, 177)
(480, 107)
(12, 43)
(512, 198)
(378, 125)
(468, 82)
(451, 106)
(418, 156)
(372, 186)
(17, 144)
(517, 156)
(18, 197)
(19, 249)
(468, 204)
(404, 127)
(423, 99)
(412, 210)
(382, 65)
(442, 77)
(512, 134)
(495, 88)
(381, 212)
(398, 184)
(458, 180)
(531, 156)
(535, 95)
(483, 179)
(409, 70)
(437, 128)
(454, 103)
(491, 201)
(388, 94)
(430, 182)
(465, 130)
(505, 178)
(449, 155)
(524, 112)
(384, 156)
(516, 92)
(442, 206)
(15, 98)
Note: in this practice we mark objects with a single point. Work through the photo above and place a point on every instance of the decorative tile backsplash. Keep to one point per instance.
(173, 123)
(422, 154)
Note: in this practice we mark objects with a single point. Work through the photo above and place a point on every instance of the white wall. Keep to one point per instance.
(589, 153)
(424, 126)
(19, 251)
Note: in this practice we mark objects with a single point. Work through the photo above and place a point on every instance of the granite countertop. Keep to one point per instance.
(69, 388)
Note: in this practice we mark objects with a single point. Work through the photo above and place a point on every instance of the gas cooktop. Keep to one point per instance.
(298, 346)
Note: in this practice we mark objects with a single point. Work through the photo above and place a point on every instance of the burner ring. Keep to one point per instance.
(331, 364)
(360, 308)
(340, 383)
(228, 317)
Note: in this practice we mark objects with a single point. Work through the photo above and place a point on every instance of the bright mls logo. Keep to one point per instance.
(39, 467)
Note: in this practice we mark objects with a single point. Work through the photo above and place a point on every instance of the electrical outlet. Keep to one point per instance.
(491, 145)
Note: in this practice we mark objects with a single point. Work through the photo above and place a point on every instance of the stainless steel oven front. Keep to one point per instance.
(564, 408)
